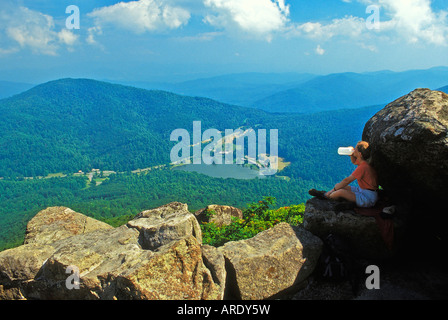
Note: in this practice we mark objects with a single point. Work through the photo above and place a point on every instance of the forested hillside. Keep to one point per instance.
(70, 125)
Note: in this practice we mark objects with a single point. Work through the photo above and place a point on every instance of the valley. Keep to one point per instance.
(103, 149)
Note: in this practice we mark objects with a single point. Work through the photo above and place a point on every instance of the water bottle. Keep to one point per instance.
(346, 151)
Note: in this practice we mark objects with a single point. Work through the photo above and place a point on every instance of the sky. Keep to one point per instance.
(176, 40)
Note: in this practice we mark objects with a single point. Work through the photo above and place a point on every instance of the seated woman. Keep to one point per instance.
(364, 196)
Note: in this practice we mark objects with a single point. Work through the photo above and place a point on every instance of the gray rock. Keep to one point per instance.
(218, 214)
(162, 225)
(410, 145)
(111, 263)
(56, 223)
(362, 233)
(269, 263)
(215, 262)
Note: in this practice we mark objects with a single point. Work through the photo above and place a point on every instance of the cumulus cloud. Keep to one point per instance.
(349, 26)
(412, 20)
(409, 20)
(141, 16)
(33, 30)
(416, 20)
(256, 17)
(319, 50)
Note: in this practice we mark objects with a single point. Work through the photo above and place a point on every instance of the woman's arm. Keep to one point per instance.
(344, 183)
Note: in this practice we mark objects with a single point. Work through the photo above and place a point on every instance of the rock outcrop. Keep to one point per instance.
(272, 261)
(362, 233)
(112, 263)
(57, 223)
(218, 214)
(409, 140)
(157, 255)
(162, 225)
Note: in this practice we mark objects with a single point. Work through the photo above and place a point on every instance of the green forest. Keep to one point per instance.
(69, 125)
(122, 196)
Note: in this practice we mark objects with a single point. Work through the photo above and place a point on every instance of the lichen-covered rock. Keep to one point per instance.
(56, 223)
(23, 263)
(215, 262)
(409, 140)
(111, 263)
(269, 263)
(162, 225)
(218, 214)
(362, 233)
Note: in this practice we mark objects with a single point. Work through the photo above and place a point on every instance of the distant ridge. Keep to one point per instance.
(240, 89)
(352, 90)
(443, 89)
(304, 92)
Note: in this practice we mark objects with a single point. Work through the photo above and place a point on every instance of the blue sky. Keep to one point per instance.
(173, 40)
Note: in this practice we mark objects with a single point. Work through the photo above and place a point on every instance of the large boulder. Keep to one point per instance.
(409, 140)
(270, 263)
(157, 255)
(164, 224)
(362, 233)
(117, 268)
(218, 214)
(56, 223)
(113, 263)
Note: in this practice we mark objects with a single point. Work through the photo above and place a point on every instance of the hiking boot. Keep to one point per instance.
(318, 194)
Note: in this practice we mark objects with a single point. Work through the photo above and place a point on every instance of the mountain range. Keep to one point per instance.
(443, 89)
(307, 93)
(76, 124)
(69, 125)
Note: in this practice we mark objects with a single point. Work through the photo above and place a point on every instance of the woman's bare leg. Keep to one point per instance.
(344, 194)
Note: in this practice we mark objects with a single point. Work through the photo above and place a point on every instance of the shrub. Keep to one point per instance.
(256, 218)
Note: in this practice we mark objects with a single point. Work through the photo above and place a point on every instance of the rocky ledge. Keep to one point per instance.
(157, 255)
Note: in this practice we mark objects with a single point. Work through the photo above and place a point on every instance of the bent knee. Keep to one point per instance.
(344, 194)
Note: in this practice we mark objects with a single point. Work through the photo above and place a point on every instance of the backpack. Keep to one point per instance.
(332, 263)
(337, 264)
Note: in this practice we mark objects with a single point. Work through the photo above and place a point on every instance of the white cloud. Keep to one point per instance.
(141, 16)
(202, 37)
(92, 32)
(415, 20)
(319, 50)
(33, 30)
(412, 20)
(255, 17)
(349, 26)
(67, 37)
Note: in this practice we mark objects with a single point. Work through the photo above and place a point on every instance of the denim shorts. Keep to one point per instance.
(365, 198)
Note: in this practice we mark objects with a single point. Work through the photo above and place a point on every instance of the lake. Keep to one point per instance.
(223, 171)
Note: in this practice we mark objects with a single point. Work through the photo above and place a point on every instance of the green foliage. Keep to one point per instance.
(122, 196)
(257, 217)
(70, 125)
